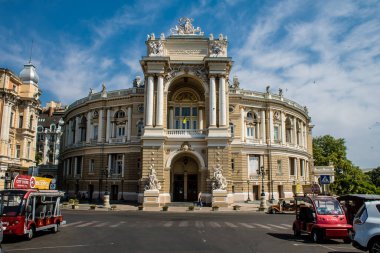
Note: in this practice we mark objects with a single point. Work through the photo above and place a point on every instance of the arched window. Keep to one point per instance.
(83, 128)
(186, 110)
(252, 125)
(52, 127)
(288, 130)
(120, 114)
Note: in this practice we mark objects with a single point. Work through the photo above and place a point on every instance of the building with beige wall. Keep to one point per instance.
(19, 110)
(185, 119)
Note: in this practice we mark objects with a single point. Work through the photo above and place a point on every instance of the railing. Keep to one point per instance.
(117, 140)
(186, 133)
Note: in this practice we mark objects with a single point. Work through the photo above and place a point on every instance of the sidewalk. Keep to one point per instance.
(244, 207)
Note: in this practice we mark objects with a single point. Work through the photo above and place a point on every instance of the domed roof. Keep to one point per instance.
(29, 74)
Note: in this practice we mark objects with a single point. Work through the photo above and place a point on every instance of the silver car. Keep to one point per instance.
(366, 234)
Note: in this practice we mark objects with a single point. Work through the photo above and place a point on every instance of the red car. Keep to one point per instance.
(321, 217)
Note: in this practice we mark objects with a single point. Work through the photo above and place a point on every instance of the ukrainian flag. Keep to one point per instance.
(184, 120)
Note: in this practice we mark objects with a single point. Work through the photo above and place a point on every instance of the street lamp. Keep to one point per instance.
(248, 199)
(106, 198)
(263, 204)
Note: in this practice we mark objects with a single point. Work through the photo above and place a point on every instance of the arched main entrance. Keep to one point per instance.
(185, 179)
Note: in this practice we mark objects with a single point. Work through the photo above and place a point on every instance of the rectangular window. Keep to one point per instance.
(302, 164)
(11, 121)
(20, 121)
(194, 124)
(185, 111)
(91, 166)
(292, 164)
(233, 164)
(119, 167)
(195, 111)
(18, 150)
(79, 165)
(275, 133)
(177, 111)
(95, 132)
(253, 165)
(28, 151)
(177, 124)
(120, 131)
(279, 167)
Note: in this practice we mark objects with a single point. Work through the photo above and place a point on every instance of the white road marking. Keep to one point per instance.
(231, 225)
(199, 224)
(314, 245)
(215, 224)
(168, 224)
(272, 225)
(287, 225)
(262, 226)
(183, 224)
(118, 224)
(101, 224)
(72, 224)
(62, 246)
(246, 225)
(86, 224)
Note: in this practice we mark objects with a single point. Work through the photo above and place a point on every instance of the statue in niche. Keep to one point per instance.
(220, 182)
(153, 183)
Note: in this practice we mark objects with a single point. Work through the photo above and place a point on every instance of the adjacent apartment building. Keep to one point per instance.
(185, 119)
(19, 110)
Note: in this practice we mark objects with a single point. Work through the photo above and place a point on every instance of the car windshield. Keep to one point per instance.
(11, 202)
(328, 206)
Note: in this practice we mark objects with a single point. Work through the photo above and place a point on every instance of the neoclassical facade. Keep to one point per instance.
(19, 111)
(187, 121)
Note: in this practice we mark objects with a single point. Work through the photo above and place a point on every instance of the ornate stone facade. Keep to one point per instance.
(199, 131)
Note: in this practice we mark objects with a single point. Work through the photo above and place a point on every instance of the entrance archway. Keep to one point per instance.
(185, 179)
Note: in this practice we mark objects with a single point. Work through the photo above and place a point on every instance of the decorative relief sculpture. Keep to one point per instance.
(185, 147)
(199, 71)
(185, 27)
(220, 182)
(217, 48)
(156, 48)
(153, 183)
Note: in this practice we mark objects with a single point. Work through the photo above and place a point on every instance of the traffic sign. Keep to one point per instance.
(325, 179)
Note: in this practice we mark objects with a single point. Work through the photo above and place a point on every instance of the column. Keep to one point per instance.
(108, 127)
(263, 130)
(171, 118)
(4, 121)
(222, 102)
(75, 165)
(200, 120)
(160, 101)
(294, 131)
(77, 133)
(88, 127)
(109, 162)
(70, 141)
(212, 102)
(149, 101)
(283, 130)
(26, 117)
(129, 124)
(306, 136)
(123, 165)
(100, 126)
(242, 115)
(271, 125)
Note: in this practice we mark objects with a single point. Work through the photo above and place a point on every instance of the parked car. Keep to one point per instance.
(366, 230)
(321, 217)
(284, 205)
(352, 203)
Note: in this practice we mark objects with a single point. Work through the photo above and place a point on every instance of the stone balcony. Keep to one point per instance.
(185, 133)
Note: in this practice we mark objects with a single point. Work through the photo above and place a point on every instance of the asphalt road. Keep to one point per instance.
(90, 231)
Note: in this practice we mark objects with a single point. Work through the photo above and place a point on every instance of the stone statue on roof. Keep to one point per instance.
(185, 27)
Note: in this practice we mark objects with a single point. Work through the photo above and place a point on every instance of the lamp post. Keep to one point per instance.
(106, 197)
(263, 204)
(248, 199)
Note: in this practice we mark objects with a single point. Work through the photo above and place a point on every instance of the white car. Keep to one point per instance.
(366, 234)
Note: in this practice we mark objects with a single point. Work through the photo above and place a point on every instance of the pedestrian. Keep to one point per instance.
(200, 204)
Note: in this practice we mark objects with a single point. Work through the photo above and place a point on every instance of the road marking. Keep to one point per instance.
(72, 224)
(101, 224)
(63, 246)
(262, 226)
(272, 225)
(118, 224)
(215, 224)
(246, 225)
(183, 224)
(168, 224)
(286, 225)
(199, 224)
(314, 245)
(86, 224)
(231, 225)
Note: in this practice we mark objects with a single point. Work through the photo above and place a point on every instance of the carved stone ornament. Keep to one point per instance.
(219, 181)
(153, 183)
(197, 70)
(185, 27)
(137, 82)
(236, 82)
(156, 48)
(217, 48)
(276, 115)
(185, 147)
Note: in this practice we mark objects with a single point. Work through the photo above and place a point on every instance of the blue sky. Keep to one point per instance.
(323, 54)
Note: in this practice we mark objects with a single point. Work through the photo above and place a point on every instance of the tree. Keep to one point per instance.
(348, 178)
(38, 158)
(374, 176)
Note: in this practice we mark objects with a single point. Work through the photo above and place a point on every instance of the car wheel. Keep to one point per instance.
(296, 232)
(316, 236)
(346, 240)
(375, 246)
(272, 211)
(55, 229)
(30, 234)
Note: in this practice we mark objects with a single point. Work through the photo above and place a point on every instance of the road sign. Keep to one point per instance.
(325, 179)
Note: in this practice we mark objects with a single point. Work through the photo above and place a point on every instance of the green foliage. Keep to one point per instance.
(374, 176)
(348, 178)
(38, 158)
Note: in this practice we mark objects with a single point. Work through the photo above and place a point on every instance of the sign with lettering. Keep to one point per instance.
(30, 182)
